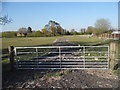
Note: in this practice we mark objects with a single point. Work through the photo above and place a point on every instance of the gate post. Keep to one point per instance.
(112, 58)
(11, 57)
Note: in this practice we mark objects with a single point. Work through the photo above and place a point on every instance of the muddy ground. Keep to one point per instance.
(65, 78)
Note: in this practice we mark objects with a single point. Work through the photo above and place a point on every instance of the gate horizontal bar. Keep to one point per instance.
(58, 47)
(62, 65)
(62, 52)
(62, 57)
(67, 57)
(64, 68)
(65, 60)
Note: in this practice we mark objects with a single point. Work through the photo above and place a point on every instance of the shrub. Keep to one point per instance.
(36, 34)
(9, 34)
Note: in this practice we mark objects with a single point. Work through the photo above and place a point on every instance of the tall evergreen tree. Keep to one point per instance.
(29, 30)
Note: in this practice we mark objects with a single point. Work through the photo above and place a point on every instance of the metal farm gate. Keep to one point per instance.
(62, 57)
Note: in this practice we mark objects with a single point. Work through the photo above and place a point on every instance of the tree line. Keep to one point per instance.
(53, 28)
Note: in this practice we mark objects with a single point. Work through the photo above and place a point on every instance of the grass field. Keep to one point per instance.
(37, 41)
(28, 41)
(23, 41)
(41, 41)
(86, 40)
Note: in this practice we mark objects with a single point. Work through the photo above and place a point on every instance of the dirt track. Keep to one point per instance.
(62, 42)
(71, 79)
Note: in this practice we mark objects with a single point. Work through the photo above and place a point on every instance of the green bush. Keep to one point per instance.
(9, 34)
(36, 34)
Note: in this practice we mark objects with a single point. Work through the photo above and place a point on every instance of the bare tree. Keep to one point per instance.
(90, 29)
(5, 20)
(103, 25)
(22, 30)
(83, 30)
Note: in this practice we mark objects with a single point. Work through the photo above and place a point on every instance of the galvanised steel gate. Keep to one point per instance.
(62, 57)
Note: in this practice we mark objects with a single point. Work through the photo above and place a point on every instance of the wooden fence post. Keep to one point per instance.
(113, 61)
(11, 57)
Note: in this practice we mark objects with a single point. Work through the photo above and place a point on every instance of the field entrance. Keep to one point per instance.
(62, 57)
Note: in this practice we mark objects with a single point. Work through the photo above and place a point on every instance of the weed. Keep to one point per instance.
(54, 74)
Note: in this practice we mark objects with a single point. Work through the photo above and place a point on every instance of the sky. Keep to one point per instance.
(70, 15)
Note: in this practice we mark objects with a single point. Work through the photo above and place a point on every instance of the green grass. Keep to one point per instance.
(118, 57)
(67, 71)
(117, 72)
(22, 41)
(40, 41)
(28, 41)
(49, 75)
(58, 73)
(5, 65)
(37, 41)
(119, 49)
(53, 74)
(88, 41)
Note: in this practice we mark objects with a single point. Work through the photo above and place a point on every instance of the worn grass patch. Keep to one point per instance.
(117, 72)
(54, 74)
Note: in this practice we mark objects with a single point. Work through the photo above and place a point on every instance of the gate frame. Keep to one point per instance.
(59, 48)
